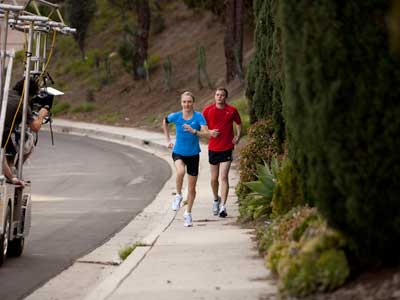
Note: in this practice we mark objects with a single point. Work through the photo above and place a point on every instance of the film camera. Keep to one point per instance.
(42, 100)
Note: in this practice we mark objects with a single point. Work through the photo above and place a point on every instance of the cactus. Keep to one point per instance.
(201, 67)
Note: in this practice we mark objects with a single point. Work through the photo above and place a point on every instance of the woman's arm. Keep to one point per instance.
(166, 133)
(203, 132)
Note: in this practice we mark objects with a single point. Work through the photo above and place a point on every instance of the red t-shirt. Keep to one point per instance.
(221, 119)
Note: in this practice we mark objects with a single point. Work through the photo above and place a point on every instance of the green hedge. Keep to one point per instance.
(265, 77)
(342, 112)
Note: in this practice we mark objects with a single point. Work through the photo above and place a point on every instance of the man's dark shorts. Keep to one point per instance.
(191, 162)
(216, 157)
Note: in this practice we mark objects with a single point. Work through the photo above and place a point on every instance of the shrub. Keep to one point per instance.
(288, 192)
(276, 253)
(242, 106)
(60, 107)
(307, 273)
(307, 255)
(109, 118)
(259, 148)
(253, 207)
(84, 107)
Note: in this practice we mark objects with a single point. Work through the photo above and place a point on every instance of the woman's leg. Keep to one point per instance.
(180, 173)
(192, 180)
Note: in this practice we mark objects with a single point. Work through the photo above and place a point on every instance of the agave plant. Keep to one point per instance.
(266, 179)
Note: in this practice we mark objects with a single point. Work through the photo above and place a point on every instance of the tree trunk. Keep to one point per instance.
(141, 38)
(233, 40)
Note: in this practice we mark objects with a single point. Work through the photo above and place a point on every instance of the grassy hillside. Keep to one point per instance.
(117, 99)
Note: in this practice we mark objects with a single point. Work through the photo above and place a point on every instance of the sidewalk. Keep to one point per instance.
(214, 259)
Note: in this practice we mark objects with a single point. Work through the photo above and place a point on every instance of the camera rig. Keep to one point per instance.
(15, 201)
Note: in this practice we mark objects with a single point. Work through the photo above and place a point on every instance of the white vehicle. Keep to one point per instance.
(15, 200)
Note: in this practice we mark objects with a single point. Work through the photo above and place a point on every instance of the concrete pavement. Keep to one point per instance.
(214, 259)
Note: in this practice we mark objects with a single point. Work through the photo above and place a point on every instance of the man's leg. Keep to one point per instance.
(224, 178)
(192, 180)
(214, 169)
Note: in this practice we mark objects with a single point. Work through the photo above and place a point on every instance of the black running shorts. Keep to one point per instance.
(191, 162)
(216, 157)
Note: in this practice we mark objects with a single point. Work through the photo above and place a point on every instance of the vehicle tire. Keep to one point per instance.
(16, 247)
(5, 237)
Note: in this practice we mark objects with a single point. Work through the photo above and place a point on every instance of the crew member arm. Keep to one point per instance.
(36, 124)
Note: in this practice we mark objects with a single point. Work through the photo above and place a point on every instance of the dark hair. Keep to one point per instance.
(33, 87)
(223, 89)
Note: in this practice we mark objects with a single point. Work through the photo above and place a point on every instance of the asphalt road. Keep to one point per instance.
(83, 192)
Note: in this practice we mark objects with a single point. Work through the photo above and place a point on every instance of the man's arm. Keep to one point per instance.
(36, 124)
(236, 139)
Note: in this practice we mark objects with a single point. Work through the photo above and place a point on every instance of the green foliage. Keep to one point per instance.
(288, 192)
(167, 71)
(127, 48)
(260, 148)
(157, 19)
(216, 7)
(266, 180)
(110, 117)
(241, 105)
(60, 107)
(84, 107)
(310, 272)
(254, 207)
(276, 253)
(79, 15)
(265, 74)
(202, 67)
(125, 251)
(306, 254)
(341, 111)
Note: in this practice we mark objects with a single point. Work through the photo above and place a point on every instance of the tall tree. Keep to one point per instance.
(233, 40)
(140, 33)
(143, 16)
(79, 13)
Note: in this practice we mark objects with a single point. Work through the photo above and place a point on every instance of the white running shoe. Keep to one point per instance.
(187, 219)
(222, 212)
(216, 206)
(176, 203)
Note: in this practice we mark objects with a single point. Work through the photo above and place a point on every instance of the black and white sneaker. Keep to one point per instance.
(222, 212)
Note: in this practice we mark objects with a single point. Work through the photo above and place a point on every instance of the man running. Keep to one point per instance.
(220, 116)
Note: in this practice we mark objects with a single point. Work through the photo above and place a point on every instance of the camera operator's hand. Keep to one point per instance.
(37, 122)
(43, 113)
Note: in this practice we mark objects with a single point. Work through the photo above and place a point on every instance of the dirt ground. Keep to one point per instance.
(144, 104)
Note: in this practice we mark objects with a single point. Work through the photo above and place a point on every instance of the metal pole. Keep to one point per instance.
(4, 108)
(3, 53)
(25, 104)
(38, 36)
(44, 52)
